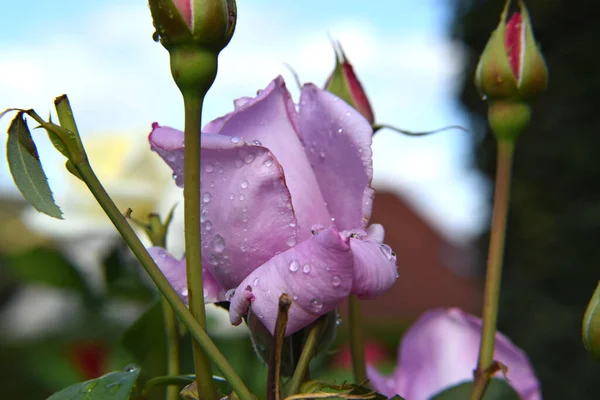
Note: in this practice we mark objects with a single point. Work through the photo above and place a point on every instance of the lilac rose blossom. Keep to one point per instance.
(440, 351)
(286, 199)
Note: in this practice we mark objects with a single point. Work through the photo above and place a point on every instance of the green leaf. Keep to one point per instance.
(26, 169)
(112, 386)
(498, 389)
(46, 266)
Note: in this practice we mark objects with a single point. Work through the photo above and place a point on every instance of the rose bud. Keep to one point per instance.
(344, 84)
(511, 66)
(206, 23)
(511, 72)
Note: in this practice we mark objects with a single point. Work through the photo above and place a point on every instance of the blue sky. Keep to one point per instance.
(101, 54)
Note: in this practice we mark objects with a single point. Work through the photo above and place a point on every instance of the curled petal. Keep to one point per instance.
(246, 210)
(376, 232)
(317, 274)
(240, 307)
(440, 350)
(375, 268)
(174, 271)
(168, 143)
(338, 144)
(271, 119)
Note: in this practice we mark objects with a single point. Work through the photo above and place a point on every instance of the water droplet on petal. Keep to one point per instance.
(268, 162)
(208, 225)
(244, 184)
(306, 268)
(249, 158)
(336, 281)
(292, 224)
(294, 265)
(218, 243)
(235, 139)
(204, 215)
(256, 143)
(231, 196)
(316, 229)
(206, 197)
(388, 252)
(208, 168)
(241, 197)
(184, 292)
(316, 305)
(255, 283)
(340, 130)
(322, 154)
(291, 241)
(295, 297)
(229, 294)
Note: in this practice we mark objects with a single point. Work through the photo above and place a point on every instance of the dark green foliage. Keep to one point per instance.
(552, 255)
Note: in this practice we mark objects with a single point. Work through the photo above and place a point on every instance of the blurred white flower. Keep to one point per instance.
(133, 176)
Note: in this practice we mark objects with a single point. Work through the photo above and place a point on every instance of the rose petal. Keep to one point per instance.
(317, 273)
(376, 232)
(174, 271)
(168, 143)
(375, 268)
(440, 350)
(271, 119)
(385, 385)
(338, 144)
(246, 211)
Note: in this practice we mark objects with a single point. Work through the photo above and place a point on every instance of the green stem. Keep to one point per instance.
(357, 346)
(138, 249)
(494, 266)
(310, 345)
(173, 359)
(191, 195)
(158, 236)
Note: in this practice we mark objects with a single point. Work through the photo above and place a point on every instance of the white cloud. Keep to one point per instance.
(118, 79)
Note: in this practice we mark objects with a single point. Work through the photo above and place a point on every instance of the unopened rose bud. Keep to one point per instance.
(205, 23)
(344, 84)
(511, 72)
(511, 66)
(591, 325)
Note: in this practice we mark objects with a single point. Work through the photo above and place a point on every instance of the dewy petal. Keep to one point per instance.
(174, 271)
(246, 210)
(317, 274)
(375, 268)
(338, 144)
(271, 119)
(440, 350)
(168, 143)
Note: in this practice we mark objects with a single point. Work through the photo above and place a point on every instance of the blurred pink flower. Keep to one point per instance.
(286, 199)
(440, 351)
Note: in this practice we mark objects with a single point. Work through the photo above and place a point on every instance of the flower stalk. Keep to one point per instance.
(310, 345)
(494, 266)
(191, 195)
(137, 247)
(357, 345)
